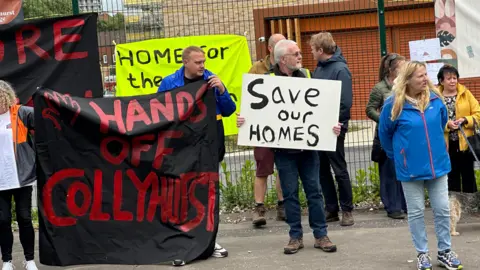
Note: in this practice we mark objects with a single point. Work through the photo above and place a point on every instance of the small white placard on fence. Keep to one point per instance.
(432, 71)
(425, 50)
(286, 112)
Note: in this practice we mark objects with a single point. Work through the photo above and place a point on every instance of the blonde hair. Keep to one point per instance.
(7, 95)
(324, 41)
(400, 88)
(187, 51)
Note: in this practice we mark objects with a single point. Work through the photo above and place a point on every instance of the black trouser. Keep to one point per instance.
(391, 191)
(337, 161)
(462, 165)
(23, 209)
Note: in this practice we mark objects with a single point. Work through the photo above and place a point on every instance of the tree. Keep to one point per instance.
(46, 8)
(111, 23)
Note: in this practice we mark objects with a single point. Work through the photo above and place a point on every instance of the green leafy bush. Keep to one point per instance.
(367, 188)
(238, 193)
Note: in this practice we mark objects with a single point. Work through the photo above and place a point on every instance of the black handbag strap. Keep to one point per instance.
(475, 126)
(466, 139)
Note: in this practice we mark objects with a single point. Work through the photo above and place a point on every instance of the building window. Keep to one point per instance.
(105, 59)
(113, 58)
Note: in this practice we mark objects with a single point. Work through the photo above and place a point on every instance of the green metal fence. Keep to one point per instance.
(364, 29)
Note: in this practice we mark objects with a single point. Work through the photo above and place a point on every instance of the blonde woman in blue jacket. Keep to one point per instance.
(411, 132)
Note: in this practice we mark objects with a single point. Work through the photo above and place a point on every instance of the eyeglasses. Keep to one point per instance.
(297, 54)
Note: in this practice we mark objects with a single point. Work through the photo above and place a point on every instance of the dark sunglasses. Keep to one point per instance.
(390, 58)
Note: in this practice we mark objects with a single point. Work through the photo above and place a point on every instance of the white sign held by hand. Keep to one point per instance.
(289, 112)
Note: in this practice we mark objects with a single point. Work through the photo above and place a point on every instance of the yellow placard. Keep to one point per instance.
(140, 66)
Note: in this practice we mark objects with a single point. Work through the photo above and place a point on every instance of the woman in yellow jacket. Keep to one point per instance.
(463, 109)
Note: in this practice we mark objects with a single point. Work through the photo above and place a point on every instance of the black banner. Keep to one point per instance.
(130, 180)
(57, 53)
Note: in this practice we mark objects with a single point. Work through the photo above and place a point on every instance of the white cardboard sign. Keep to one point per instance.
(288, 112)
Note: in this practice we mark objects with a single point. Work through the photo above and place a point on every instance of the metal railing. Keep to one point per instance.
(364, 29)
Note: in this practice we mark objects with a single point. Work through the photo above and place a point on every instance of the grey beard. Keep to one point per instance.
(292, 68)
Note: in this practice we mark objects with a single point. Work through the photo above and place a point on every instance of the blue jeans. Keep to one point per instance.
(304, 164)
(415, 197)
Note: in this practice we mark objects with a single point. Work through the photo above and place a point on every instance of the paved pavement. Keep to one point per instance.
(374, 242)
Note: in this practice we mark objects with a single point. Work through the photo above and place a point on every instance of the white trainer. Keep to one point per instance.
(178, 263)
(8, 266)
(30, 265)
(219, 251)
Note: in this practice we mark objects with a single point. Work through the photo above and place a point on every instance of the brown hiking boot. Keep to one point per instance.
(347, 219)
(294, 245)
(259, 216)
(331, 217)
(281, 212)
(325, 244)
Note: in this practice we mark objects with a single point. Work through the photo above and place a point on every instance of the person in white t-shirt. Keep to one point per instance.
(16, 181)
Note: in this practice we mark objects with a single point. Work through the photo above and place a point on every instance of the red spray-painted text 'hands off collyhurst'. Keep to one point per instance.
(173, 195)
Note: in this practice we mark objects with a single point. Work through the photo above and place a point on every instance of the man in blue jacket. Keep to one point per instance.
(193, 70)
(333, 66)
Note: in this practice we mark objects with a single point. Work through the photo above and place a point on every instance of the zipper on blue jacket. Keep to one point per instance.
(402, 152)
(428, 144)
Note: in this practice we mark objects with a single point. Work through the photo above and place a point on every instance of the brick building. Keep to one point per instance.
(199, 17)
(353, 23)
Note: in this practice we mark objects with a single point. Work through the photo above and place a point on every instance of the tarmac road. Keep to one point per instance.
(374, 242)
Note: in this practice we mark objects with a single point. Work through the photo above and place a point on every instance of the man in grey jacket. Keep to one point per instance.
(332, 65)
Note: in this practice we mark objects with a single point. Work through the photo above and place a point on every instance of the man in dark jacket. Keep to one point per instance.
(333, 66)
(292, 163)
(193, 70)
